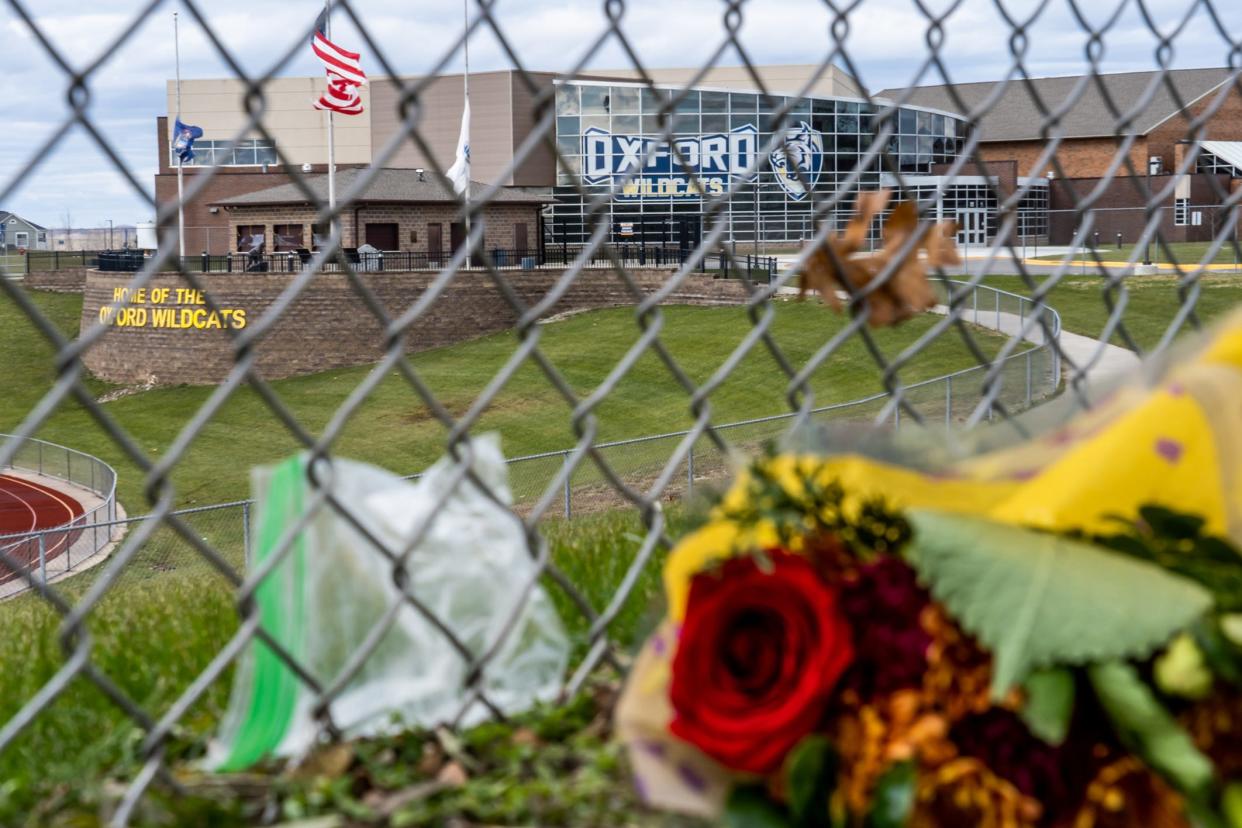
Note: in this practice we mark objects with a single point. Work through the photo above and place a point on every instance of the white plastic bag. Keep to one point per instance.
(325, 597)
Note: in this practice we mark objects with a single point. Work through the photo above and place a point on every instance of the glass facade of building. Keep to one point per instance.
(661, 191)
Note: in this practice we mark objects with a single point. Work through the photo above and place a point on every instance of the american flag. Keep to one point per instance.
(345, 73)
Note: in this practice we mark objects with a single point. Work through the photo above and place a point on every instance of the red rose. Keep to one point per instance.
(757, 659)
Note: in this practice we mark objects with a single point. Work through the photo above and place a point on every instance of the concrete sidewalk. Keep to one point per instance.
(1107, 362)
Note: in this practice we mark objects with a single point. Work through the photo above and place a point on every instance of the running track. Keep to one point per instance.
(26, 506)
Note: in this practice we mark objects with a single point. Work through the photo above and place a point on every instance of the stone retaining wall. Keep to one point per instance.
(170, 336)
(64, 280)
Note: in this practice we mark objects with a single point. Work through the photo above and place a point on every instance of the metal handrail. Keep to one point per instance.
(102, 482)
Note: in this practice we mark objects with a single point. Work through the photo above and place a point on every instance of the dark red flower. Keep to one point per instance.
(759, 653)
(1056, 776)
(883, 602)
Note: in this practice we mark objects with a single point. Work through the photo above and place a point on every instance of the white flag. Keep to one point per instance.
(459, 173)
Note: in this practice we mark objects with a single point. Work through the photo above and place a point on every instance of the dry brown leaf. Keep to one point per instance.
(331, 761)
(453, 775)
(907, 291)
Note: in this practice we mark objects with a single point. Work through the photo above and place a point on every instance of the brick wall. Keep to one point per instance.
(64, 280)
(328, 326)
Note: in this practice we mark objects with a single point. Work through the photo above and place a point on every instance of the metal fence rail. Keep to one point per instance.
(635, 475)
(54, 552)
(636, 255)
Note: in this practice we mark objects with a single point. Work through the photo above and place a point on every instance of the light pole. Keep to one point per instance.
(109, 234)
(1147, 246)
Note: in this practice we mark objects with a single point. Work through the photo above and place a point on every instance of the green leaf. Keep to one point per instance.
(812, 766)
(750, 807)
(1049, 704)
(1146, 728)
(894, 797)
(1231, 804)
(1035, 599)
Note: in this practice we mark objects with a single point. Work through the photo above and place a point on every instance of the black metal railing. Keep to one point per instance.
(38, 261)
(759, 268)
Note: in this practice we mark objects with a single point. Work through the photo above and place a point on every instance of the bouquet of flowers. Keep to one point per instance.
(1045, 635)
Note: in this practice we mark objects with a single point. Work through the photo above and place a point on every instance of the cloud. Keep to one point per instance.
(886, 40)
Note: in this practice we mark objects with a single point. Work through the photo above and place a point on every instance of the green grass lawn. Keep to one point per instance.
(1151, 303)
(1186, 254)
(395, 429)
(164, 622)
(170, 614)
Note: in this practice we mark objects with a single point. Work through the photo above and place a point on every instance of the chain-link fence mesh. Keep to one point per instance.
(1013, 343)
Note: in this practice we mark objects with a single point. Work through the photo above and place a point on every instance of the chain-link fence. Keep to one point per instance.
(209, 547)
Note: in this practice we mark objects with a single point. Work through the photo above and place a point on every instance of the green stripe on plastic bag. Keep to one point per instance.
(281, 602)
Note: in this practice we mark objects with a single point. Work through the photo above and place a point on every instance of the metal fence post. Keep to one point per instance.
(997, 310)
(565, 462)
(246, 531)
(42, 559)
(948, 400)
(974, 302)
(690, 472)
(40, 457)
(1028, 379)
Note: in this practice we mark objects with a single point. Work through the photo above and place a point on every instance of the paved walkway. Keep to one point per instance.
(1107, 362)
(1110, 361)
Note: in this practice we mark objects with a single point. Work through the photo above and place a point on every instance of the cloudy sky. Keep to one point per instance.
(77, 181)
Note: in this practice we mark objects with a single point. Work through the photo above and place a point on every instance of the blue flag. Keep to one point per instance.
(184, 137)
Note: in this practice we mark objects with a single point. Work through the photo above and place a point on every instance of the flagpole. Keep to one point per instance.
(327, 23)
(180, 162)
(465, 19)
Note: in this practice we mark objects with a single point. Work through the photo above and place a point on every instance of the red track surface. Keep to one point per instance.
(25, 507)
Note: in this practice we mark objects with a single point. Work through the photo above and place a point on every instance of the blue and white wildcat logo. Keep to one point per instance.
(798, 160)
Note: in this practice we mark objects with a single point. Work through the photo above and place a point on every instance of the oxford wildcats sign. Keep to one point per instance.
(653, 169)
(643, 167)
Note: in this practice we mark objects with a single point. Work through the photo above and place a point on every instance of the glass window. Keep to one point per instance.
(651, 125)
(847, 124)
(625, 124)
(937, 125)
(742, 102)
(594, 99)
(320, 233)
(625, 99)
(738, 119)
(801, 106)
(1181, 209)
(567, 100)
(250, 238)
(569, 144)
(907, 122)
(567, 126)
(599, 121)
(924, 120)
(266, 155)
(686, 123)
(690, 103)
(243, 155)
(715, 123)
(287, 237)
(715, 101)
(653, 99)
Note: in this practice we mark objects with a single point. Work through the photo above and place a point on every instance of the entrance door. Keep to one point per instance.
(435, 243)
(382, 236)
(457, 238)
(519, 238)
(689, 231)
(972, 227)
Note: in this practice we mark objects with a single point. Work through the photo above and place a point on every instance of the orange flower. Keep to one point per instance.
(1125, 794)
(963, 792)
(873, 737)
